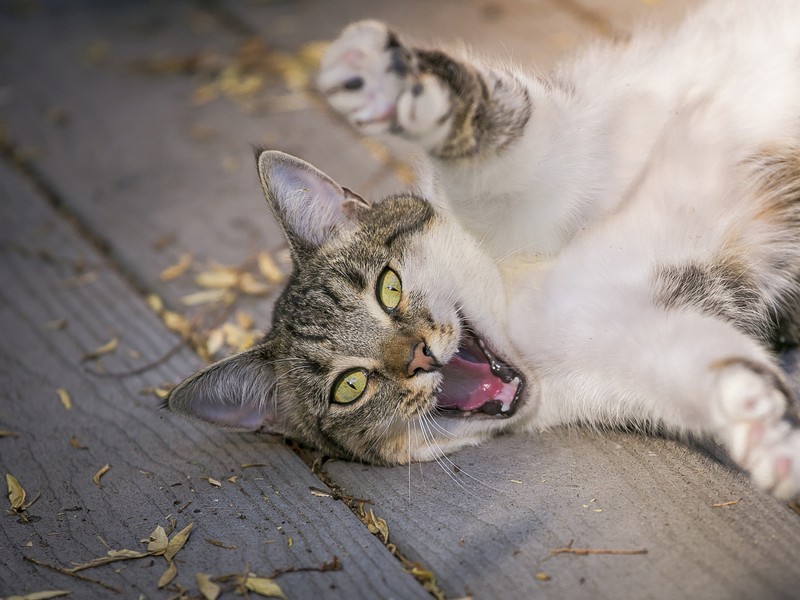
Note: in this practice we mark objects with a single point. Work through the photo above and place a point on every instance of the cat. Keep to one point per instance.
(617, 243)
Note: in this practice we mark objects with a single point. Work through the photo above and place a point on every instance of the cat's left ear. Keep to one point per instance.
(235, 392)
(308, 204)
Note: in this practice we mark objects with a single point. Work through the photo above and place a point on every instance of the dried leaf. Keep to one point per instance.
(252, 286)
(213, 481)
(177, 323)
(208, 588)
(238, 338)
(244, 320)
(269, 268)
(8, 433)
(75, 443)
(43, 595)
(215, 341)
(222, 277)
(102, 471)
(112, 557)
(168, 575)
(157, 541)
(63, 395)
(263, 586)
(176, 270)
(106, 348)
(177, 542)
(155, 303)
(204, 297)
(219, 544)
(377, 525)
(56, 324)
(16, 493)
(542, 576)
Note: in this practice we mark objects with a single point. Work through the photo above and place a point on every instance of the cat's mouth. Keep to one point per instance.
(476, 383)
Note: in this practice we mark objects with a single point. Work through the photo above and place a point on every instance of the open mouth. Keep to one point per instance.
(475, 382)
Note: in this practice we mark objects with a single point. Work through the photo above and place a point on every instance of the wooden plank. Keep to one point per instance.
(486, 522)
(159, 463)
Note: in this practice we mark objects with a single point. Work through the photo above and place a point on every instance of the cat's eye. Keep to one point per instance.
(390, 289)
(349, 386)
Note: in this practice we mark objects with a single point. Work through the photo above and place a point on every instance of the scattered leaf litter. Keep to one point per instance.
(100, 472)
(64, 396)
(106, 348)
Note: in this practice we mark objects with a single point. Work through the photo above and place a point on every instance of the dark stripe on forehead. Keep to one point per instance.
(402, 232)
(304, 335)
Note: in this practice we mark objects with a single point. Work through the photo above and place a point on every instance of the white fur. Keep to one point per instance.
(630, 161)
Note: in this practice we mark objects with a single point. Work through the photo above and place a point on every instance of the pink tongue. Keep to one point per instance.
(468, 385)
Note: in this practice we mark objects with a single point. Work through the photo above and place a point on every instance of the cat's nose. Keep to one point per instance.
(422, 359)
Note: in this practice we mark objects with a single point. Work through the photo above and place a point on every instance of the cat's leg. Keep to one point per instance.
(687, 372)
(452, 108)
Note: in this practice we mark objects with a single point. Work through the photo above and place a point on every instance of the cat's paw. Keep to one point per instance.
(751, 409)
(376, 83)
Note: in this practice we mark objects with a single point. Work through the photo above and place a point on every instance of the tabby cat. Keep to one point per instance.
(616, 243)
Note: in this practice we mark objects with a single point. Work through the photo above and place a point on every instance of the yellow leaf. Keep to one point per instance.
(168, 575)
(269, 268)
(176, 270)
(155, 303)
(177, 323)
(377, 525)
(215, 341)
(158, 540)
(238, 338)
(208, 588)
(264, 587)
(112, 556)
(8, 433)
(222, 277)
(204, 297)
(16, 493)
(543, 576)
(250, 285)
(244, 320)
(177, 542)
(106, 348)
(102, 471)
(43, 595)
(63, 395)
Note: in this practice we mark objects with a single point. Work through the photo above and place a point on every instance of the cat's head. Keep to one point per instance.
(387, 343)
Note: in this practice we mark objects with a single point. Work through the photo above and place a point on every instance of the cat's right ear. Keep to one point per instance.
(236, 392)
(308, 204)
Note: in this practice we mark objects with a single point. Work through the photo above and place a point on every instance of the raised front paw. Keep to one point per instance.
(377, 83)
(754, 423)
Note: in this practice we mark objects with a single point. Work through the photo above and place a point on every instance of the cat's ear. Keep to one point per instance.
(235, 392)
(308, 204)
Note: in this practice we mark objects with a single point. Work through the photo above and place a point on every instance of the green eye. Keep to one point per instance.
(349, 386)
(390, 289)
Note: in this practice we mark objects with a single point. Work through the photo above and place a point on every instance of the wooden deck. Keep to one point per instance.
(126, 144)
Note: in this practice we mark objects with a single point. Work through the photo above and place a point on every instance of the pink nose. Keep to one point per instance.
(421, 359)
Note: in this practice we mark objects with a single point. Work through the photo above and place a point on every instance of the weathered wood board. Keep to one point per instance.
(151, 171)
(159, 464)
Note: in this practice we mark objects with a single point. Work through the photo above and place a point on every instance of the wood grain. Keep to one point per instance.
(158, 463)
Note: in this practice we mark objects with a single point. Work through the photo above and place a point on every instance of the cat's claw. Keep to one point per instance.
(371, 79)
(751, 412)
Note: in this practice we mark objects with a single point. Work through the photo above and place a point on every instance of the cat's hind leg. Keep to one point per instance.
(686, 372)
(757, 424)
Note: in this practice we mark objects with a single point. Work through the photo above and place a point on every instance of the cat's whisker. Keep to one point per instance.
(437, 455)
(432, 421)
